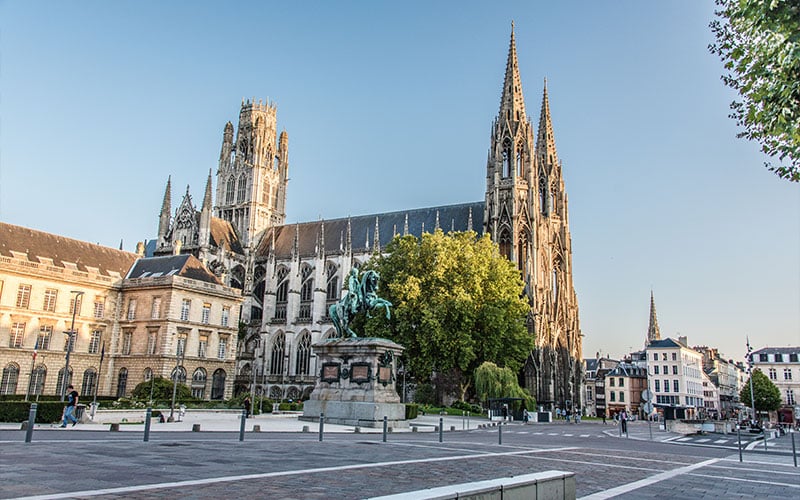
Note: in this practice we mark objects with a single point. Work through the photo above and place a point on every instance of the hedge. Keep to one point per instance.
(412, 410)
(47, 412)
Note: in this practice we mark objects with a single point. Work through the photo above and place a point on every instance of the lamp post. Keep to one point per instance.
(750, 372)
(71, 334)
(253, 385)
(178, 362)
(99, 369)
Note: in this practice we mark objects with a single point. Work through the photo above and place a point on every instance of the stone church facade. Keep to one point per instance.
(290, 273)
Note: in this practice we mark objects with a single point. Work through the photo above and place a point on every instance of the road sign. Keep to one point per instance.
(648, 408)
(647, 395)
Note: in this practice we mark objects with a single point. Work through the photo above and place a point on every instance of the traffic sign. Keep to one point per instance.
(647, 395)
(648, 408)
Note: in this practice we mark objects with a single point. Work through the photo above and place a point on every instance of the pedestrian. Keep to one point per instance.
(247, 406)
(578, 416)
(558, 413)
(69, 410)
(525, 416)
(604, 418)
(623, 420)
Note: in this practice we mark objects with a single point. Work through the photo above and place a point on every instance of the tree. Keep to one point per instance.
(491, 381)
(759, 43)
(162, 390)
(766, 394)
(457, 303)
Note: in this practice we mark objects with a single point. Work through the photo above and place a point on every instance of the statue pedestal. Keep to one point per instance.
(356, 383)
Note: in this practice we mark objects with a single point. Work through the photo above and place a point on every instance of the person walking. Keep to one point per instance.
(247, 406)
(623, 420)
(69, 410)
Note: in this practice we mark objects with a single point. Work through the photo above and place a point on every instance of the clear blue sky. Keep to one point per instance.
(101, 101)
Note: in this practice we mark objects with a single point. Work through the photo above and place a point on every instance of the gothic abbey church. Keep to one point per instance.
(290, 273)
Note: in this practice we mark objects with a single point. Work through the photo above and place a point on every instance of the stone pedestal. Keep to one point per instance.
(356, 383)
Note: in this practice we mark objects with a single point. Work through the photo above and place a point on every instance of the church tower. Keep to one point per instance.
(253, 173)
(653, 333)
(526, 214)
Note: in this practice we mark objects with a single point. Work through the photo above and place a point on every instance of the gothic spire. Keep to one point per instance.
(207, 198)
(469, 221)
(545, 140)
(436, 226)
(512, 103)
(653, 333)
(405, 226)
(376, 238)
(164, 217)
(349, 242)
(322, 240)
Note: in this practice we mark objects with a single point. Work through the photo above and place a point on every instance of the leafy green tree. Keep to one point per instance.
(162, 390)
(766, 394)
(759, 43)
(491, 381)
(457, 303)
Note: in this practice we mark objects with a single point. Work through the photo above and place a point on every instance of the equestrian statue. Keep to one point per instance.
(361, 297)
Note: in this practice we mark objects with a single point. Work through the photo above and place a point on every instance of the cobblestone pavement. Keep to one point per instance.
(62, 464)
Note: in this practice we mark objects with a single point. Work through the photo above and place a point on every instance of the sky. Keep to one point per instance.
(389, 106)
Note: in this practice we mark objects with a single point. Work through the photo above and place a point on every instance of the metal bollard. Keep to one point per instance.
(467, 420)
(385, 427)
(241, 426)
(441, 428)
(794, 450)
(739, 436)
(765, 439)
(147, 416)
(31, 422)
(650, 427)
(321, 425)
(500, 434)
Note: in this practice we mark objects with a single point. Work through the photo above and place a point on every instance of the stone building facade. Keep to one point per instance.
(49, 283)
(289, 274)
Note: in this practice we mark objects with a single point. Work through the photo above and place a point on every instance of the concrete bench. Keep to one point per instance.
(549, 485)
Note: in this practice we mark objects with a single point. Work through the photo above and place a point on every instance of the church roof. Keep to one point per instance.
(184, 265)
(38, 246)
(224, 236)
(310, 237)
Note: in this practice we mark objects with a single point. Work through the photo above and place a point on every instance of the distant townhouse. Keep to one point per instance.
(596, 370)
(782, 366)
(624, 386)
(726, 376)
(676, 373)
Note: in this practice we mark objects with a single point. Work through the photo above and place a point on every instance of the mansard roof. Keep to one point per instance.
(184, 265)
(309, 235)
(224, 236)
(778, 350)
(665, 344)
(627, 370)
(38, 246)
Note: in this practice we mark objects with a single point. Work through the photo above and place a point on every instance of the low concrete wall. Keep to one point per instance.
(119, 416)
(548, 485)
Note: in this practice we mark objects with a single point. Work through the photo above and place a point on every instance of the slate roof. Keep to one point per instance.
(362, 229)
(109, 261)
(223, 235)
(664, 344)
(184, 265)
(778, 350)
(627, 370)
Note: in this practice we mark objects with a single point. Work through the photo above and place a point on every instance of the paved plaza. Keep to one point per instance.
(282, 461)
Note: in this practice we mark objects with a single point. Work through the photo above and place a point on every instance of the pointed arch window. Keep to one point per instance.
(507, 159)
(544, 196)
(277, 354)
(332, 290)
(306, 293)
(303, 361)
(230, 187)
(281, 294)
(505, 244)
(519, 162)
(241, 189)
(554, 282)
(218, 384)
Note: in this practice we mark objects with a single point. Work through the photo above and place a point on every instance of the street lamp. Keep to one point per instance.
(178, 363)
(70, 335)
(750, 371)
(253, 386)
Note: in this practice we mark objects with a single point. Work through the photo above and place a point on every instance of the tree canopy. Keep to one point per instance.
(759, 43)
(766, 394)
(457, 303)
(491, 381)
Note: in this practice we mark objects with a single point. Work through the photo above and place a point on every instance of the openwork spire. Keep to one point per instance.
(653, 333)
(545, 140)
(512, 103)
(207, 198)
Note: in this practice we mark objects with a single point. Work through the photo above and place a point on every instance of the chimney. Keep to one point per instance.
(140, 249)
(683, 340)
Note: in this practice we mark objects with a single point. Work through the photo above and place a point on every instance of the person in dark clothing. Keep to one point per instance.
(69, 410)
(247, 406)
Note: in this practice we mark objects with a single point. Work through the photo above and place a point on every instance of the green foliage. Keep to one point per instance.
(766, 394)
(491, 381)
(759, 43)
(457, 303)
(162, 391)
(47, 412)
(425, 394)
(464, 406)
(412, 411)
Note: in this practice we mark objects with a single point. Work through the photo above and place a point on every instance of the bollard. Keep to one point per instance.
(385, 427)
(441, 428)
(500, 434)
(463, 420)
(114, 427)
(257, 428)
(414, 428)
(305, 428)
(650, 427)
(794, 450)
(467, 420)
(452, 428)
(321, 425)
(765, 439)
(31, 422)
(241, 426)
(195, 427)
(147, 415)
(739, 436)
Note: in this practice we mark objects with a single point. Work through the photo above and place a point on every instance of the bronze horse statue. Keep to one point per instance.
(361, 297)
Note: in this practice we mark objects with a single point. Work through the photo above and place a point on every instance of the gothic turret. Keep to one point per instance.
(205, 214)
(653, 333)
(164, 217)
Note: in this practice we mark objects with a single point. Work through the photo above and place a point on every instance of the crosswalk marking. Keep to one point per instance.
(568, 435)
(703, 440)
(683, 439)
(584, 435)
(720, 441)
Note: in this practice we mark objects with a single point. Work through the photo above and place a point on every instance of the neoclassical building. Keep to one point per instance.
(290, 273)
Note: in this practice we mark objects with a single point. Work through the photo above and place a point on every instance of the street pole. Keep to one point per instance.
(750, 369)
(253, 386)
(71, 332)
(178, 359)
(97, 382)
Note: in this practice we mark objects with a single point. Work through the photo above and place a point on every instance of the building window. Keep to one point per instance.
(206, 313)
(17, 335)
(60, 381)
(226, 314)
(306, 293)
(43, 340)
(621, 397)
(202, 346)
(122, 382)
(23, 296)
(793, 358)
(778, 357)
(763, 358)
(127, 340)
(94, 342)
(675, 386)
(666, 386)
(663, 356)
(773, 374)
(69, 343)
(180, 349)
(218, 384)
(655, 369)
(148, 374)
(332, 292)
(36, 383)
(674, 356)
(666, 369)
(223, 347)
(185, 307)
(655, 356)
(50, 296)
(611, 381)
(613, 396)
(8, 384)
(152, 342)
(178, 372)
(89, 382)
(674, 369)
(155, 309)
(276, 354)
(199, 383)
(621, 382)
(242, 189)
(787, 374)
(303, 360)
(99, 307)
(789, 397)
(131, 309)
(230, 186)
(658, 386)
(75, 304)
(281, 294)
